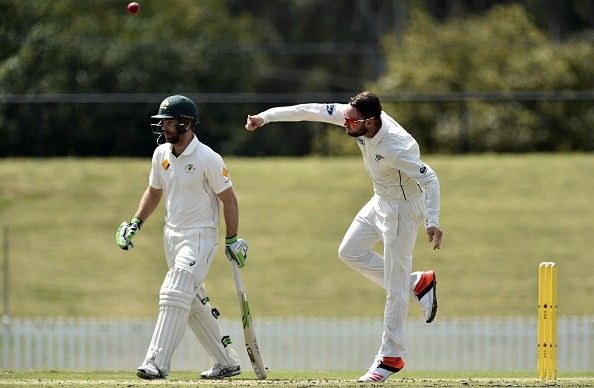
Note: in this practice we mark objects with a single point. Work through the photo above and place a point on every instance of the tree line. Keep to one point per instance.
(295, 49)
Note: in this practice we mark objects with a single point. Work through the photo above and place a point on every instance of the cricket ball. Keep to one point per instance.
(133, 8)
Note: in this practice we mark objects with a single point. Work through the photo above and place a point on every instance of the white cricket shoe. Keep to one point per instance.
(380, 370)
(149, 371)
(426, 292)
(219, 371)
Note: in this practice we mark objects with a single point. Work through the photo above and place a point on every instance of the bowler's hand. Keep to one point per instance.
(253, 122)
(434, 235)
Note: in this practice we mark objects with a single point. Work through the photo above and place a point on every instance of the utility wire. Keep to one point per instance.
(253, 97)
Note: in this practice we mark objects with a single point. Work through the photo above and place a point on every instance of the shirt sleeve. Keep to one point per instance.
(408, 161)
(332, 113)
(217, 174)
(155, 176)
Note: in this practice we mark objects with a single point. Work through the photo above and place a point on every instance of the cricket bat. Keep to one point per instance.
(249, 334)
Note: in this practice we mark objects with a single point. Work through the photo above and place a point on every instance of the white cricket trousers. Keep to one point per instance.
(193, 250)
(183, 300)
(396, 222)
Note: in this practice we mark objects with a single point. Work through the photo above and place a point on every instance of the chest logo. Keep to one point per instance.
(423, 169)
(165, 164)
(378, 157)
(190, 169)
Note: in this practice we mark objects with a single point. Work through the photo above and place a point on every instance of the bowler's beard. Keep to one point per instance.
(357, 133)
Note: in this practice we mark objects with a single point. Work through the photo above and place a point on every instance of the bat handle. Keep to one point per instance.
(237, 276)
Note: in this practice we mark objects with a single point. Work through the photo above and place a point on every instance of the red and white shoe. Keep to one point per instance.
(426, 292)
(380, 370)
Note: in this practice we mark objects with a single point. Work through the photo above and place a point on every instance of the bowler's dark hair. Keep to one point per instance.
(368, 104)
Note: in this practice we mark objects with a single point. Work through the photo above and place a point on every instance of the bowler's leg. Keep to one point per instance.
(356, 248)
(399, 242)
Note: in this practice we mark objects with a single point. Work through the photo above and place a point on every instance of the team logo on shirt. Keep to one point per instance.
(190, 169)
(378, 157)
(423, 169)
(165, 164)
(330, 109)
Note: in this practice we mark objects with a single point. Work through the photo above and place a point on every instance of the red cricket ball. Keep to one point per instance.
(133, 8)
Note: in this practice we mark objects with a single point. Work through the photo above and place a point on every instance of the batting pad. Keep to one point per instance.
(175, 302)
(203, 322)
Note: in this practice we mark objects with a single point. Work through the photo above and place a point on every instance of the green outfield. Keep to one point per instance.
(289, 379)
(501, 216)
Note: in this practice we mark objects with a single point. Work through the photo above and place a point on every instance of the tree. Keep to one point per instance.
(502, 50)
(168, 48)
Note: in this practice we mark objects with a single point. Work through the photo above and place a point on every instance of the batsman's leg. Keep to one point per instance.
(204, 323)
(175, 302)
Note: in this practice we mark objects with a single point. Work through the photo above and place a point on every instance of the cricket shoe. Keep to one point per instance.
(149, 371)
(426, 291)
(380, 370)
(220, 372)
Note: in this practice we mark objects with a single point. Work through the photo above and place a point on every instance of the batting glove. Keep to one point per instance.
(236, 249)
(126, 232)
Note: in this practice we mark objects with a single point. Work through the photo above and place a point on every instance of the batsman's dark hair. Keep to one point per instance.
(367, 104)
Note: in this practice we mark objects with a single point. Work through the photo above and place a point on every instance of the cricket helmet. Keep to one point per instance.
(174, 107)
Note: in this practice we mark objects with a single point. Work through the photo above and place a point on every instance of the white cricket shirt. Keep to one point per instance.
(392, 156)
(190, 184)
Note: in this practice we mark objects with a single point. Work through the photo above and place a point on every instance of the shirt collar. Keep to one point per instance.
(189, 149)
(378, 136)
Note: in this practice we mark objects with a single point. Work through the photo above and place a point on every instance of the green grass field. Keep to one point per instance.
(501, 216)
(289, 379)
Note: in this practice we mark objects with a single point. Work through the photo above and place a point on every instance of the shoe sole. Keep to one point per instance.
(434, 307)
(143, 375)
(225, 376)
(431, 287)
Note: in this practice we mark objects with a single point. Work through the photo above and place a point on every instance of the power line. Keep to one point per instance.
(253, 97)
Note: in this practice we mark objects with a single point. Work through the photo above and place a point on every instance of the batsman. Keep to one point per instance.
(406, 195)
(194, 180)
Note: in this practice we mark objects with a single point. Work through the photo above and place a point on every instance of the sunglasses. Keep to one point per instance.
(352, 121)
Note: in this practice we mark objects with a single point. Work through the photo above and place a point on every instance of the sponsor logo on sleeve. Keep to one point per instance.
(226, 174)
(165, 164)
(330, 109)
(423, 169)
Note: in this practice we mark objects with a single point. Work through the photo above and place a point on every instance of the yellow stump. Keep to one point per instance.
(547, 321)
